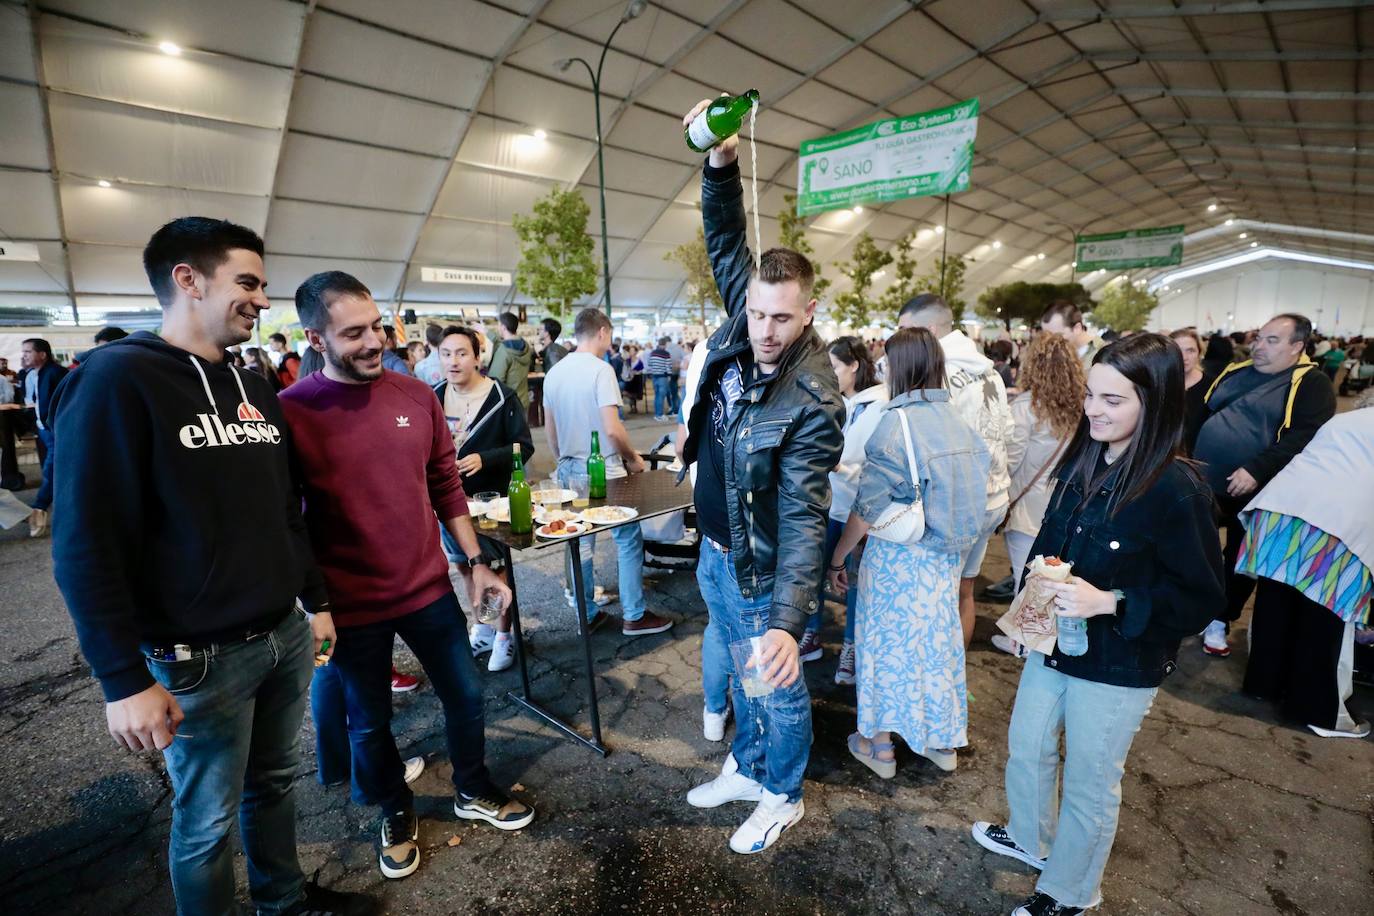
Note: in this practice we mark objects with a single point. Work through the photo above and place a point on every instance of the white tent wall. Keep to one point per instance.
(1338, 301)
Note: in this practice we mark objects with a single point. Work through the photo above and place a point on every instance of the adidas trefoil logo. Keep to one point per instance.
(403, 422)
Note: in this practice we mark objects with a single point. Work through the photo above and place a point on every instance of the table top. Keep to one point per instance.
(652, 493)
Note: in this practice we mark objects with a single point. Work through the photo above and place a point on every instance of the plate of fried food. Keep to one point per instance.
(560, 529)
(608, 515)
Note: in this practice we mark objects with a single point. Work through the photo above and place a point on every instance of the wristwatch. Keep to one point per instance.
(478, 560)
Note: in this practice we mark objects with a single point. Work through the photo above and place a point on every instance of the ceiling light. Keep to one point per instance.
(540, 133)
(939, 230)
(633, 10)
(996, 243)
(103, 183)
(1073, 263)
(880, 274)
(1254, 244)
(858, 209)
(1040, 256)
(1211, 208)
(1244, 235)
(169, 48)
(1229, 221)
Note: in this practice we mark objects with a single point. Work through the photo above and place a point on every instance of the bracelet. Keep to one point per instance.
(835, 568)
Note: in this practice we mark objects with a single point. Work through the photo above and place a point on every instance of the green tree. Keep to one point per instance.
(701, 282)
(557, 266)
(792, 234)
(1022, 301)
(853, 307)
(946, 279)
(903, 280)
(1124, 307)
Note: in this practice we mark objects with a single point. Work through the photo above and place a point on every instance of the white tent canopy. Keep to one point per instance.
(381, 137)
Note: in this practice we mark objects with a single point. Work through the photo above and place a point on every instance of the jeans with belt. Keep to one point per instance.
(237, 752)
(772, 733)
(1099, 722)
(629, 542)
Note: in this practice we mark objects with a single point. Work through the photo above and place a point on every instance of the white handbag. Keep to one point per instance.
(903, 523)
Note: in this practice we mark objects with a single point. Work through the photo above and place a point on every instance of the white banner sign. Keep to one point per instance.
(465, 275)
(18, 251)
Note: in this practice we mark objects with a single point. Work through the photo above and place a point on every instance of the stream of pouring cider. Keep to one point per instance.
(724, 117)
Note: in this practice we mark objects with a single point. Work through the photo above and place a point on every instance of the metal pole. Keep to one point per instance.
(944, 248)
(601, 174)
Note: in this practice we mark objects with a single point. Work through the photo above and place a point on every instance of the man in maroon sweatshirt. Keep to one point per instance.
(377, 464)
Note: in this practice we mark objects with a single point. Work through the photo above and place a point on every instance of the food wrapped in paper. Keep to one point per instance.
(1031, 620)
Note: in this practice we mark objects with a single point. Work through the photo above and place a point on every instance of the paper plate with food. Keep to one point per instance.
(498, 510)
(561, 529)
(545, 515)
(608, 515)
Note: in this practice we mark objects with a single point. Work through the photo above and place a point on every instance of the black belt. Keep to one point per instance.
(247, 633)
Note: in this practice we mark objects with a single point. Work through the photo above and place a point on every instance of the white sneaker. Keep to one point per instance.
(1214, 639)
(502, 653)
(481, 637)
(713, 724)
(727, 787)
(1361, 730)
(773, 815)
(600, 597)
(414, 767)
(1009, 645)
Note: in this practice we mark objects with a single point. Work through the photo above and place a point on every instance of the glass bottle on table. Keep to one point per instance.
(521, 513)
(596, 469)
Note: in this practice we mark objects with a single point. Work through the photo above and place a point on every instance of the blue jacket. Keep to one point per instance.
(951, 461)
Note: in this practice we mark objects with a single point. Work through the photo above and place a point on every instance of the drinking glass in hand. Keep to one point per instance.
(492, 604)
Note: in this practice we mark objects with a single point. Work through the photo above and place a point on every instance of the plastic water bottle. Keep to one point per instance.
(1073, 635)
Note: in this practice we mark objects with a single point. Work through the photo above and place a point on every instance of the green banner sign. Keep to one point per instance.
(1161, 247)
(915, 156)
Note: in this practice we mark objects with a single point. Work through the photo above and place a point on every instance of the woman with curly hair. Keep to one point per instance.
(1045, 415)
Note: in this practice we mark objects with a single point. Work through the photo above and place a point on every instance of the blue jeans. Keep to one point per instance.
(438, 635)
(1099, 722)
(43, 499)
(833, 531)
(773, 733)
(715, 660)
(663, 394)
(329, 712)
(237, 751)
(629, 542)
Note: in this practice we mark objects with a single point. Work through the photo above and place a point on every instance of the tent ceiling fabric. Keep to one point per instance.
(379, 137)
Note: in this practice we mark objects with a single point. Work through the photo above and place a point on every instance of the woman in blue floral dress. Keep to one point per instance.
(909, 640)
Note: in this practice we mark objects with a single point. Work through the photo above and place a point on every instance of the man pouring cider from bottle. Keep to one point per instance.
(764, 444)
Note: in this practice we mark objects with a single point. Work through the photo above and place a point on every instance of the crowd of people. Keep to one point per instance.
(875, 473)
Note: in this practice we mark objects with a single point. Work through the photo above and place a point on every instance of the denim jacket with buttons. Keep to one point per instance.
(1161, 550)
(951, 461)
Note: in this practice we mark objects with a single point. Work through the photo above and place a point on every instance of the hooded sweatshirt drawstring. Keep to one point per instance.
(206, 382)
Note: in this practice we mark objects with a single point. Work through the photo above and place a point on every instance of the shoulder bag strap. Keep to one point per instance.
(1034, 480)
(910, 452)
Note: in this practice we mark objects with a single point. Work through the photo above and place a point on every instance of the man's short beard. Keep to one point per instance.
(348, 368)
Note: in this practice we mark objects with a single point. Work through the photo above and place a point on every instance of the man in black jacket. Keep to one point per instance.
(185, 604)
(1260, 414)
(41, 378)
(764, 447)
(550, 350)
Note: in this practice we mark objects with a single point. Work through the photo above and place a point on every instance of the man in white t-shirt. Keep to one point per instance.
(581, 397)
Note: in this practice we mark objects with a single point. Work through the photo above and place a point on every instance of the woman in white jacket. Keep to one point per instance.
(863, 396)
(1044, 415)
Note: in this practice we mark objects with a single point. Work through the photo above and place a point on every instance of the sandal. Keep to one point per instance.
(885, 769)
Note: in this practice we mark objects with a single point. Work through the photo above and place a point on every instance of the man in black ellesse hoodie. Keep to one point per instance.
(184, 598)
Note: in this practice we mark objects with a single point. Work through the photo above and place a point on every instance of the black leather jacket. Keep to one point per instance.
(1161, 550)
(783, 438)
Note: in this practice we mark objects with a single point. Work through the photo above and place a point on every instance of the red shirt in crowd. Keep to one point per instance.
(377, 464)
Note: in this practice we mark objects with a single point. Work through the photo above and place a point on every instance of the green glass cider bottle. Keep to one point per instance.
(722, 118)
(521, 516)
(596, 469)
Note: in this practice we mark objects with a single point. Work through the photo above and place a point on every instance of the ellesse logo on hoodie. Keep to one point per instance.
(211, 431)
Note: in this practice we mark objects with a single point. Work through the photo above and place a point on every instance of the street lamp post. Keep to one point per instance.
(1073, 242)
(631, 11)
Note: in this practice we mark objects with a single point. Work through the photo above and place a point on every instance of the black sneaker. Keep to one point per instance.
(595, 621)
(400, 843)
(319, 901)
(1003, 590)
(495, 807)
(1044, 905)
(994, 838)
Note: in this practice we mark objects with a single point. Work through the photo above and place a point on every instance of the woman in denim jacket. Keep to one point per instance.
(1136, 521)
(909, 639)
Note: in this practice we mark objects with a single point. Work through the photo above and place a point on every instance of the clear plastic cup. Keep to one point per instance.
(492, 604)
(747, 655)
(581, 485)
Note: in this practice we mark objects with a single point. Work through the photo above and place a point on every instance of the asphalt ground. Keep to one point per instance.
(1227, 809)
